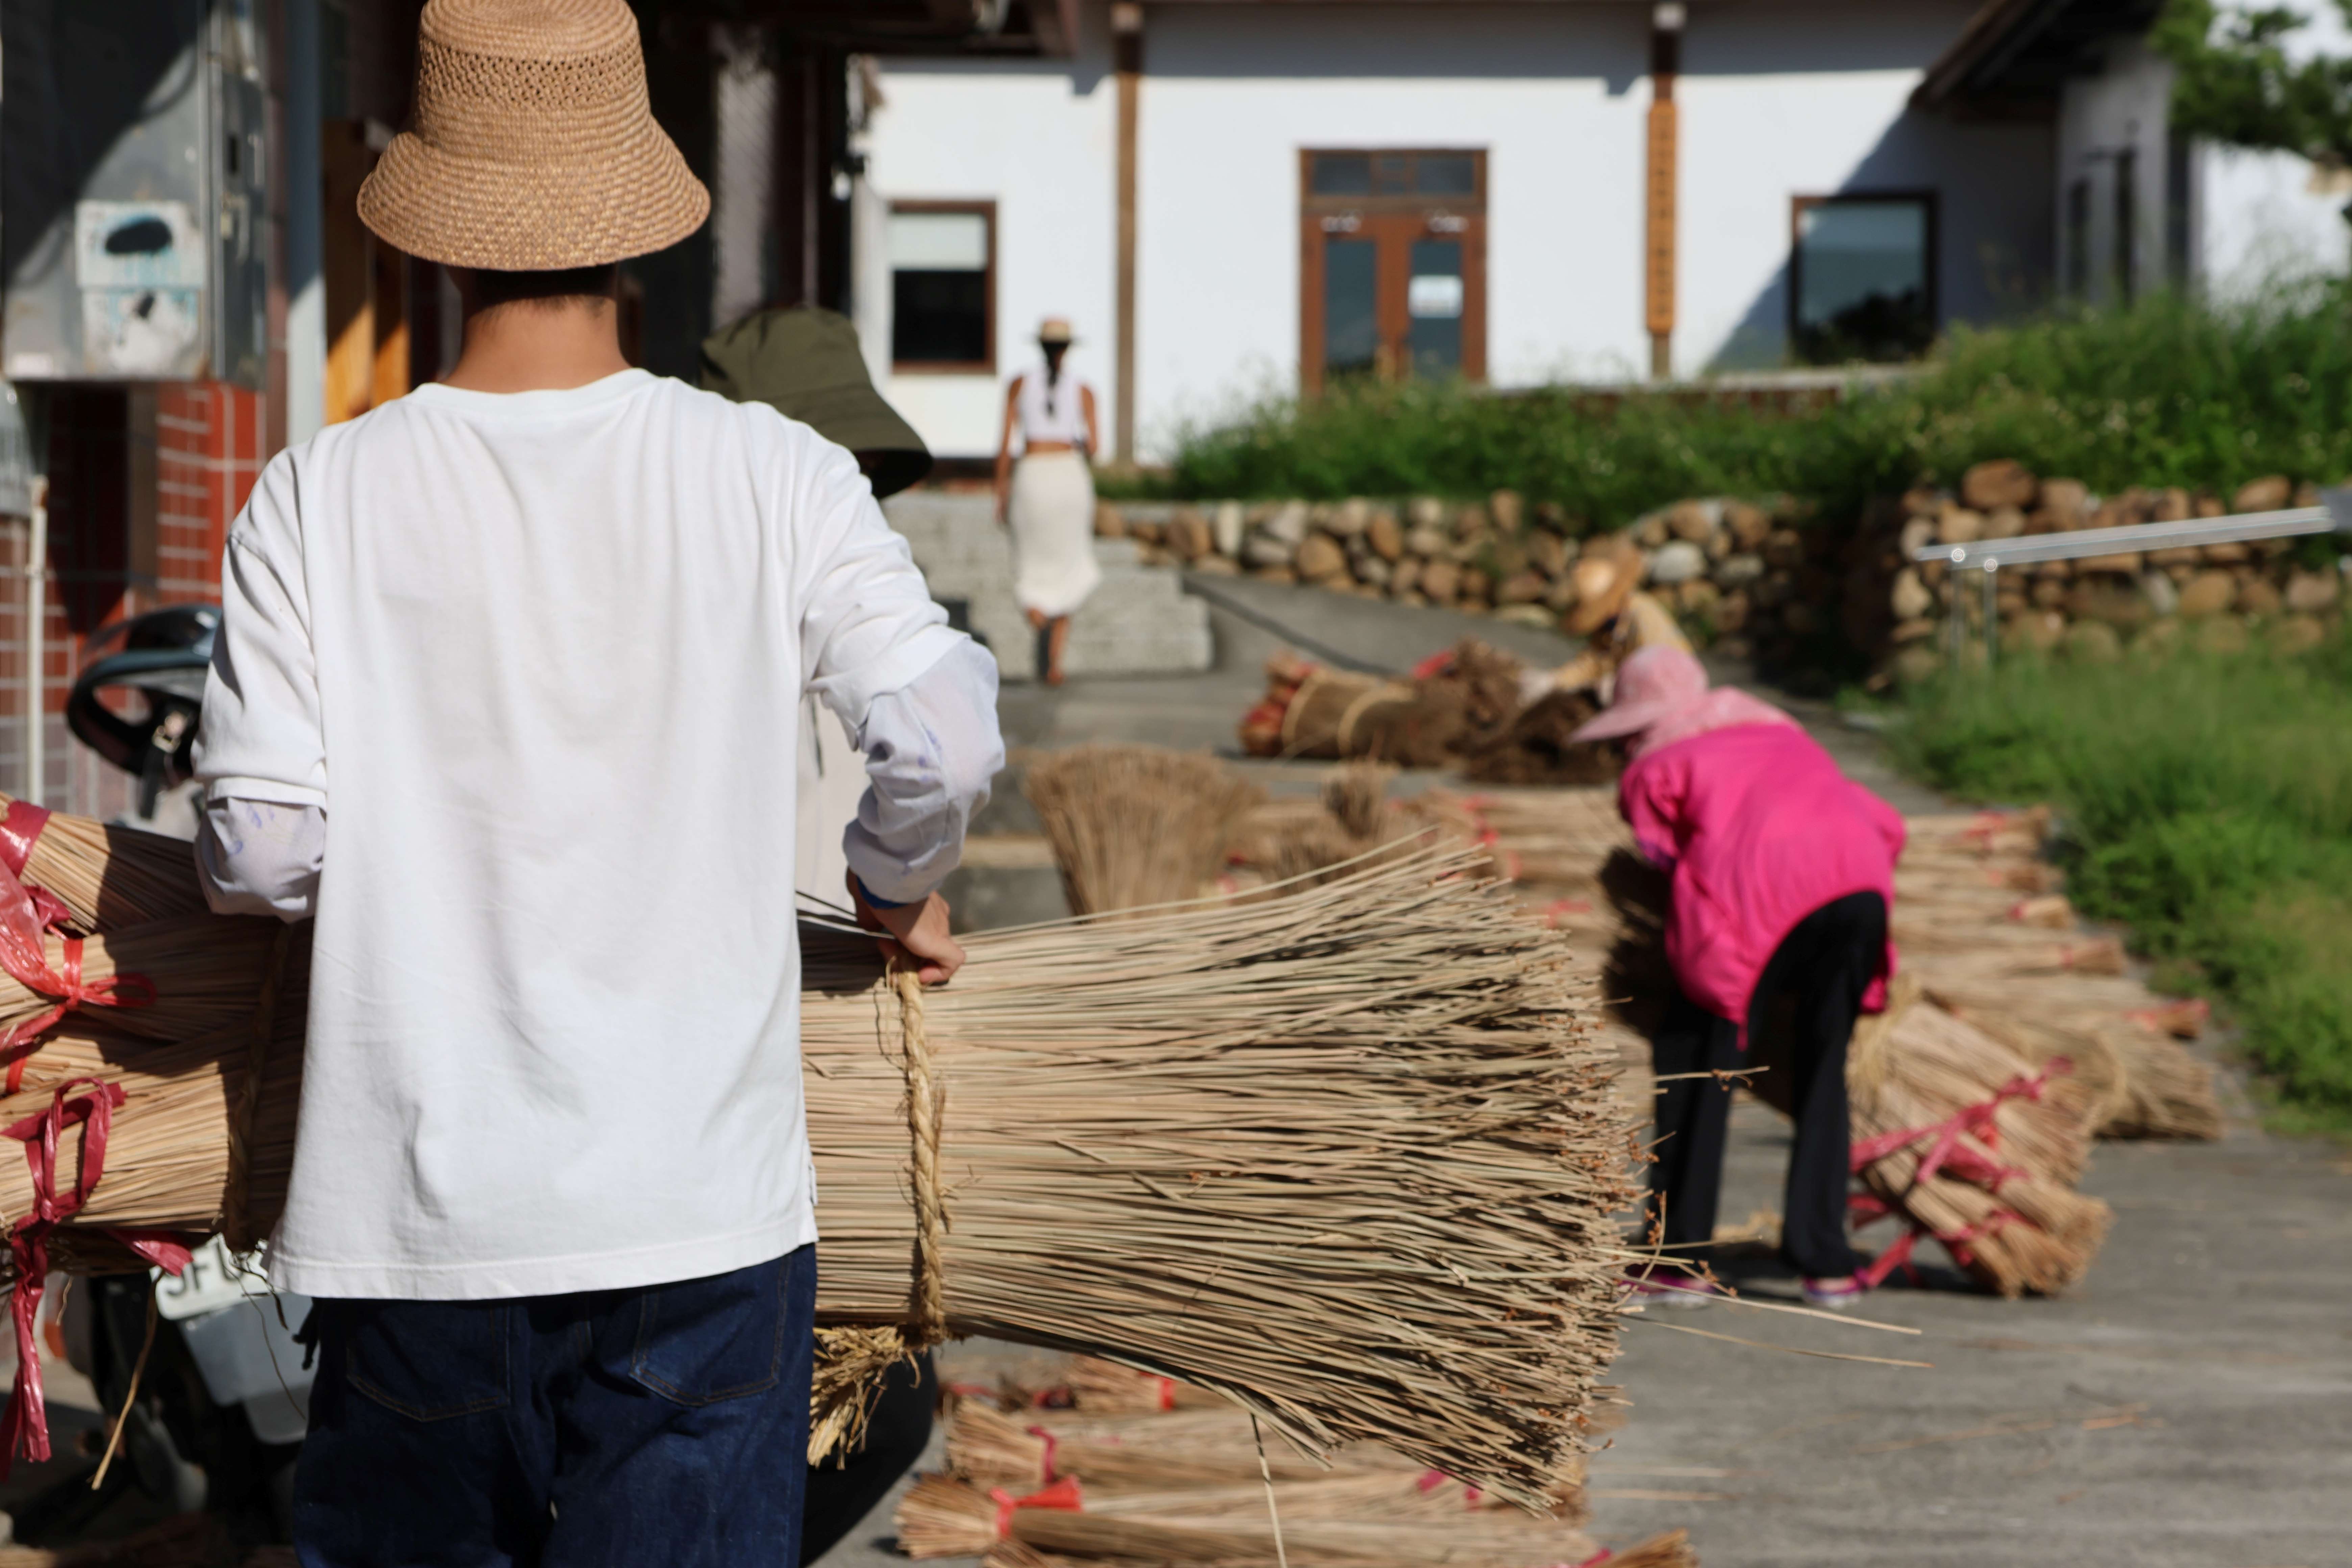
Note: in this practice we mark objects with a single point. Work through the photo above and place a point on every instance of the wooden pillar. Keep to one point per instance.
(1127, 46)
(1658, 227)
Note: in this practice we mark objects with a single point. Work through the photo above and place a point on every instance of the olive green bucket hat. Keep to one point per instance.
(805, 363)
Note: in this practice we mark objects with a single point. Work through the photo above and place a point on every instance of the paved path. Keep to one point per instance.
(2190, 1403)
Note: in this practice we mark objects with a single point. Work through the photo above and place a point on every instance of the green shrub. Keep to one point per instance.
(2169, 391)
(2208, 803)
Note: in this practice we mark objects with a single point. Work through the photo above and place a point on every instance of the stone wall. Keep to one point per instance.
(1768, 579)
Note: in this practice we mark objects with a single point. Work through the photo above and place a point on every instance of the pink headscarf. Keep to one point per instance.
(1662, 697)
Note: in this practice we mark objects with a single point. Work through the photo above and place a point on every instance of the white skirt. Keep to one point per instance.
(1053, 516)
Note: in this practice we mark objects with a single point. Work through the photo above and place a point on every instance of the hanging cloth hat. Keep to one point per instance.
(805, 363)
(534, 147)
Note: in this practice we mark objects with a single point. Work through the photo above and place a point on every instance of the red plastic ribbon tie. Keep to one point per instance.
(1167, 1391)
(1435, 663)
(20, 829)
(1979, 1119)
(1062, 1497)
(70, 992)
(1046, 1469)
(25, 1427)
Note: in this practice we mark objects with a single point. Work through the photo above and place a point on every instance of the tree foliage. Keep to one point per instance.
(2238, 81)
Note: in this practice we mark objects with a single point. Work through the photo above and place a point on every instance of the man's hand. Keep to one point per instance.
(917, 933)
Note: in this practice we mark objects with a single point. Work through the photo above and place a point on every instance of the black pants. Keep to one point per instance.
(1823, 966)
(840, 1493)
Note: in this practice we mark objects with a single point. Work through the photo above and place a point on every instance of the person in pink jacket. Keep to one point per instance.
(1783, 877)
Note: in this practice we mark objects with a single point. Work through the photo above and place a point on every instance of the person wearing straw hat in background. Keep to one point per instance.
(1612, 614)
(1048, 497)
(531, 640)
(1783, 880)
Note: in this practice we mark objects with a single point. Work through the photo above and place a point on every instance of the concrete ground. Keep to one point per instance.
(2190, 1403)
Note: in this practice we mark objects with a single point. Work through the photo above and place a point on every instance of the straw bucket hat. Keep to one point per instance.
(534, 147)
(1604, 578)
(1055, 330)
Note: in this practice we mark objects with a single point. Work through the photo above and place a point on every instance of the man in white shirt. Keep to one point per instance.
(505, 696)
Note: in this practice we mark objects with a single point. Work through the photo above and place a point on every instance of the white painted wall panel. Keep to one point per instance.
(1811, 99)
(1796, 97)
(1039, 138)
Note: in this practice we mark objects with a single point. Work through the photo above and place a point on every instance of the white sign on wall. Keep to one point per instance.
(137, 245)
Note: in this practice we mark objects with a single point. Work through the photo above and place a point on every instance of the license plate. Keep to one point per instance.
(215, 1277)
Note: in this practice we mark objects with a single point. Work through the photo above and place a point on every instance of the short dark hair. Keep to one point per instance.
(563, 283)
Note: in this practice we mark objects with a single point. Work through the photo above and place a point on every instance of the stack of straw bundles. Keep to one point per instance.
(1457, 702)
(1198, 1486)
(1134, 826)
(1965, 1141)
(1976, 913)
(1350, 1159)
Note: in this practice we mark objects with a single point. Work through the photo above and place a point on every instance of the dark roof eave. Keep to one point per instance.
(1991, 39)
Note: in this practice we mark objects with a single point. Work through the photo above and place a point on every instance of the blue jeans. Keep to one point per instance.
(666, 1424)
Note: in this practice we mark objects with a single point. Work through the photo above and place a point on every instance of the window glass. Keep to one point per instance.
(1862, 281)
(1391, 173)
(935, 240)
(1446, 174)
(938, 288)
(1342, 174)
(1352, 325)
(1433, 298)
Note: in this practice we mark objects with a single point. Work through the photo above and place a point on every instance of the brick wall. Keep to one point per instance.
(143, 483)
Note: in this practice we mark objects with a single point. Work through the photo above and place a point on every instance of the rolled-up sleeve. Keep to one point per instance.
(918, 696)
(261, 737)
(932, 749)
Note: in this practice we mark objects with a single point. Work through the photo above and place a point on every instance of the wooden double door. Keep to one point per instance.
(1393, 266)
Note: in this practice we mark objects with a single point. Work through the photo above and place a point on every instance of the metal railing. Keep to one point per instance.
(1987, 556)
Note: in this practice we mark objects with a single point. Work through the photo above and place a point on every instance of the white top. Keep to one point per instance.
(927, 755)
(1059, 415)
(536, 659)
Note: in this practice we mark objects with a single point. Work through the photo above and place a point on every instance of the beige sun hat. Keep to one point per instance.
(1604, 578)
(1055, 330)
(534, 146)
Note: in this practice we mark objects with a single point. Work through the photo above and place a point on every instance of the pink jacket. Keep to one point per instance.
(1760, 829)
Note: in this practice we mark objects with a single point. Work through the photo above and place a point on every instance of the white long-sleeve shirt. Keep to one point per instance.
(527, 667)
(931, 749)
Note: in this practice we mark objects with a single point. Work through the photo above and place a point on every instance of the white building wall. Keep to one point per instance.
(2254, 217)
(1040, 139)
(1554, 95)
(1811, 99)
(1798, 96)
(2122, 109)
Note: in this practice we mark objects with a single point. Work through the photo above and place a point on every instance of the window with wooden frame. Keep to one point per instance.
(1862, 276)
(943, 288)
(1392, 265)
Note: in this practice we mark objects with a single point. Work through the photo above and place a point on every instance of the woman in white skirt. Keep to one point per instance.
(1048, 497)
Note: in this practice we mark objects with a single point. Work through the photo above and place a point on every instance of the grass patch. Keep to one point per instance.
(2208, 804)
(2167, 392)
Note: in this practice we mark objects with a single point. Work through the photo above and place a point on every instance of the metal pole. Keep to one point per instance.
(1956, 627)
(1991, 609)
(37, 611)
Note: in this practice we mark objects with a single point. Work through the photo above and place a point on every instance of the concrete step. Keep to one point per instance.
(1138, 622)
